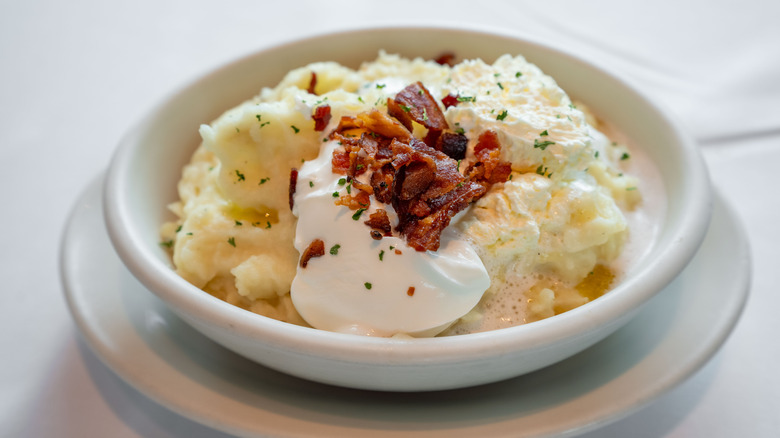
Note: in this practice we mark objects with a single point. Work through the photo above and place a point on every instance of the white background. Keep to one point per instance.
(74, 76)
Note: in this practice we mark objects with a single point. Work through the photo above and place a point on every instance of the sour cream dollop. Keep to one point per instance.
(375, 287)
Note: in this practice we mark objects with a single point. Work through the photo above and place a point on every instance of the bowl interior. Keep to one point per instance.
(146, 168)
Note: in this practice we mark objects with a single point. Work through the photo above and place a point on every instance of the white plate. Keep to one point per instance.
(160, 355)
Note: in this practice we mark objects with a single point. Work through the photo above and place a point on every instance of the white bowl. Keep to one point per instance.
(144, 172)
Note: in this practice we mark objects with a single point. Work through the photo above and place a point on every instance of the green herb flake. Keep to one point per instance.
(263, 181)
(342, 181)
(358, 213)
(232, 242)
(360, 99)
(502, 115)
(467, 99)
(425, 114)
(543, 133)
(335, 194)
(380, 86)
(311, 183)
(238, 130)
(392, 247)
(542, 144)
(541, 170)
(238, 223)
(625, 156)
(405, 108)
(499, 85)
(268, 225)
(178, 228)
(630, 188)
(381, 255)
(596, 155)
(294, 128)
(349, 188)
(334, 250)
(368, 285)
(240, 175)
(518, 74)
(259, 117)
(495, 75)
(167, 244)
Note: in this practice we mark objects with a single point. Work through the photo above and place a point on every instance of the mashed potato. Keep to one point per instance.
(547, 236)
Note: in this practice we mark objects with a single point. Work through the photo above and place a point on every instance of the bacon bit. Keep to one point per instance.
(410, 291)
(321, 117)
(315, 249)
(293, 185)
(423, 108)
(398, 251)
(446, 58)
(358, 199)
(450, 100)
(379, 222)
(312, 83)
(422, 183)
(488, 169)
(383, 125)
(453, 145)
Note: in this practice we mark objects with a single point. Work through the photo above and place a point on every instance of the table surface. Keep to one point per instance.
(76, 75)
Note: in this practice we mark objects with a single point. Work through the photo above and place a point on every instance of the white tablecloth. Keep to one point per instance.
(74, 76)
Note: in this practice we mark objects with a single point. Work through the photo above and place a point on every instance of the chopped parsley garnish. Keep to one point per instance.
(380, 86)
(406, 108)
(342, 181)
(349, 188)
(167, 243)
(294, 128)
(335, 194)
(238, 130)
(311, 183)
(425, 113)
(499, 85)
(259, 117)
(392, 247)
(263, 181)
(358, 213)
(541, 170)
(467, 99)
(232, 242)
(381, 255)
(518, 74)
(572, 106)
(596, 154)
(542, 144)
(502, 115)
(495, 75)
(457, 167)
(359, 167)
(268, 225)
(360, 99)
(625, 156)
(238, 223)
(368, 285)
(178, 228)
(334, 250)
(240, 175)
(630, 188)
(543, 133)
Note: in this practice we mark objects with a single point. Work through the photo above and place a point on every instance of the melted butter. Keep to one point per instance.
(257, 216)
(596, 283)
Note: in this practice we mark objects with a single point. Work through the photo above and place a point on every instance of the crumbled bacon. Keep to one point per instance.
(419, 178)
(410, 291)
(315, 249)
(357, 199)
(453, 145)
(417, 102)
(321, 117)
(379, 221)
(450, 100)
(312, 83)
(446, 58)
(488, 168)
(293, 185)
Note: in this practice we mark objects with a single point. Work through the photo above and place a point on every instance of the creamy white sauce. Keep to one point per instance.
(363, 289)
